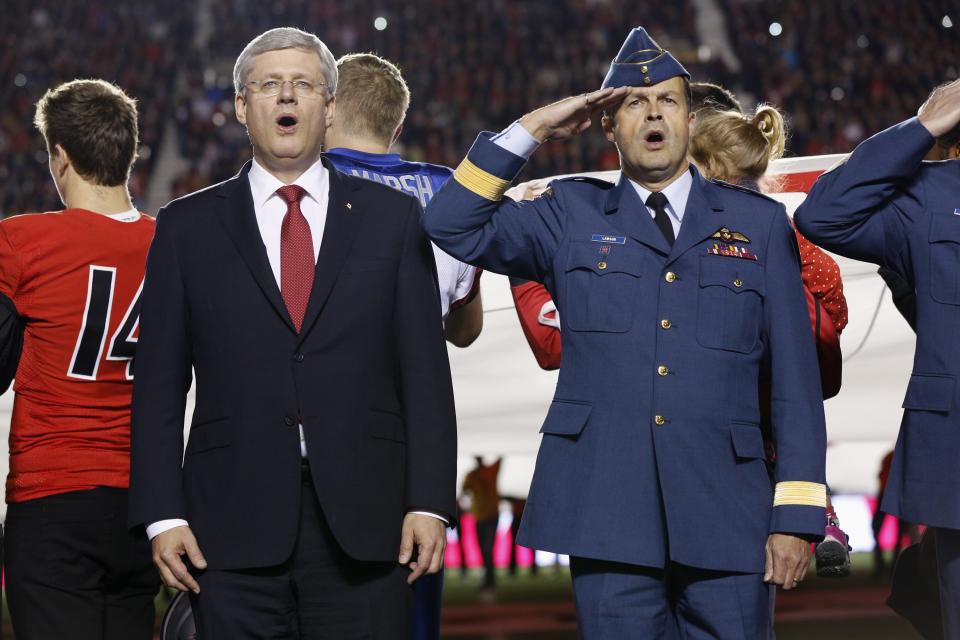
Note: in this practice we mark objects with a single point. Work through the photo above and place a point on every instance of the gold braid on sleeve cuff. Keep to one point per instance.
(486, 185)
(807, 494)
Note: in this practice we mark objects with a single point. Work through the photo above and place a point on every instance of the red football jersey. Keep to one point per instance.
(75, 277)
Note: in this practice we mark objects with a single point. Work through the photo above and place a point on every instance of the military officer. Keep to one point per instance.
(887, 206)
(677, 294)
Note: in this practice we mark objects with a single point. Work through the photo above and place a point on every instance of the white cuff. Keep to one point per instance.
(432, 515)
(156, 528)
(516, 140)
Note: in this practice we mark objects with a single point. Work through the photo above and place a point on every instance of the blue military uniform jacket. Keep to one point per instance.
(886, 206)
(652, 447)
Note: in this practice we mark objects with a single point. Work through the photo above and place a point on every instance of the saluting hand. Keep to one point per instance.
(787, 560)
(168, 547)
(941, 112)
(429, 535)
(571, 115)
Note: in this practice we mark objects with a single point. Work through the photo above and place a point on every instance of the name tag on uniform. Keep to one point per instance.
(599, 237)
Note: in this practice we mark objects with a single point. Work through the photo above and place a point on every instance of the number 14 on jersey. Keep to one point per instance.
(86, 359)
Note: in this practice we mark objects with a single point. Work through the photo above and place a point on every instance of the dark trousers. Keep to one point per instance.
(319, 592)
(622, 601)
(948, 570)
(486, 537)
(75, 571)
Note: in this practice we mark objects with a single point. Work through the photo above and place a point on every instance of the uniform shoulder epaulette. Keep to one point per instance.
(737, 187)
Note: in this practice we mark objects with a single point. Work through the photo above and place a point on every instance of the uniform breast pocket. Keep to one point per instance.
(945, 259)
(730, 303)
(602, 285)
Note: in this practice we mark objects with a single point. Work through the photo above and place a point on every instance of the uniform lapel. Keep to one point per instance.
(238, 218)
(699, 223)
(339, 234)
(630, 214)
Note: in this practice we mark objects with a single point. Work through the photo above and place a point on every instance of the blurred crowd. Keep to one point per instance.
(843, 70)
(136, 45)
(840, 70)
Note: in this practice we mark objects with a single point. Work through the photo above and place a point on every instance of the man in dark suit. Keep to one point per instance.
(676, 295)
(323, 443)
(888, 206)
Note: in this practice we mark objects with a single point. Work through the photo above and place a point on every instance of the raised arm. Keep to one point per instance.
(864, 208)
(470, 219)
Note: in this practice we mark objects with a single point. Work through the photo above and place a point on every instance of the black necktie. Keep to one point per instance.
(658, 202)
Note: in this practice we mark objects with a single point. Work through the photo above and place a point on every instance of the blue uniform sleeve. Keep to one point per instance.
(469, 218)
(864, 208)
(796, 402)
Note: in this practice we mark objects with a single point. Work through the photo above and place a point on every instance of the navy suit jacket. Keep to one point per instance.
(652, 448)
(885, 205)
(367, 376)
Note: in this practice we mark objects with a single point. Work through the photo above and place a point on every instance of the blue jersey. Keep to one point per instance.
(458, 281)
(419, 179)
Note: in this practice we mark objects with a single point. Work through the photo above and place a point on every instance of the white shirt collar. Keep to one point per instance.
(677, 192)
(264, 185)
(126, 216)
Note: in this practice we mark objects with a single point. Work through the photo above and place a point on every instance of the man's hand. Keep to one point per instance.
(787, 560)
(941, 112)
(167, 549)
(569, 116)
(429, 535)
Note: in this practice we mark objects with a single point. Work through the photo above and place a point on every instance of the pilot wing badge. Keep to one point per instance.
(726, 235)
(726, 246)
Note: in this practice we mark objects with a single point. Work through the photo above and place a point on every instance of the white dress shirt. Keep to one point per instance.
(269, 209)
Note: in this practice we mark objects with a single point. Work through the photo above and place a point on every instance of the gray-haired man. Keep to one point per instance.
(323, 442)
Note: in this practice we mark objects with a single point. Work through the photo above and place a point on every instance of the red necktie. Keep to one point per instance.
(297, 262)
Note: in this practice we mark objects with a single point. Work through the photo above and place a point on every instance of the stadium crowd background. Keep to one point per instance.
(840, 69)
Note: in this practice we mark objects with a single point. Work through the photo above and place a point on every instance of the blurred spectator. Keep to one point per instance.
(481, 484)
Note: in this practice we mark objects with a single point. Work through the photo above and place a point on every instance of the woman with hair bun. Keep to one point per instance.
(737, 148)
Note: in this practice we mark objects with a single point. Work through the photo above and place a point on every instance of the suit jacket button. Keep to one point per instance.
(659, 420)
(289, 421)
(665, 323)
(662, 370)
(670, 276)
(298, 357)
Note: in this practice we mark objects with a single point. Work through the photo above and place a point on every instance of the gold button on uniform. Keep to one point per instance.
(660, 420)
(662, 370)
(666, 324)
(738, 283)
(601, 265)
(670, 276)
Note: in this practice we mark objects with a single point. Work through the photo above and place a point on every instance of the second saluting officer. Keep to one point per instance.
(678, 294)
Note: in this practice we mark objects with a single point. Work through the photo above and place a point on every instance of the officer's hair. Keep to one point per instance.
(713, 96)
(373, 97)
(729, 145)
(284, 38)
(95, 122)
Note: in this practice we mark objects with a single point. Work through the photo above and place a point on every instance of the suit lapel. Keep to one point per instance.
(630, 214)
(339, 234)
(699, 221)
(238, 218)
